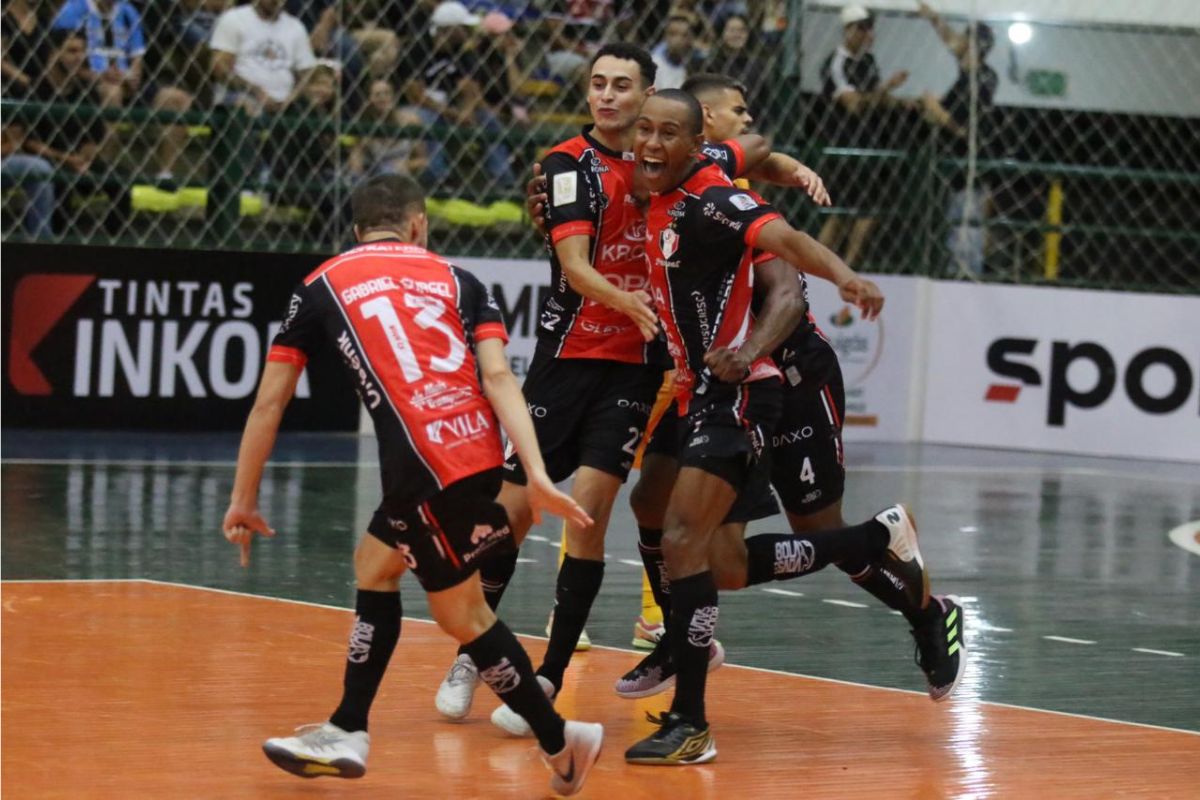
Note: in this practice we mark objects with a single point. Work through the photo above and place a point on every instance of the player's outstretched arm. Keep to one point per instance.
(573, 254)
(808, 255)
(783, 170)
(504, 393)
(275, 391)
(783, 308)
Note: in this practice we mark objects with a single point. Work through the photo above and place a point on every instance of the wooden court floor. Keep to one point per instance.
(132, 689)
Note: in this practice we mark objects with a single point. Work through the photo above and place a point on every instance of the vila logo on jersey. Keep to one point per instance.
(1084, 375)
(794, 558)
(668, 242)
(458, 430)
(439, 396)
(702, 626)
(360, 642)
(501, 678)
(137, 338)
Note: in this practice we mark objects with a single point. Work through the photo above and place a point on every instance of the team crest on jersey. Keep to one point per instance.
(668, 242)
(743, 202)
(565, 189)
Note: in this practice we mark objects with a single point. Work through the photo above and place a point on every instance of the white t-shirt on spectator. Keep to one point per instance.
(267, 54)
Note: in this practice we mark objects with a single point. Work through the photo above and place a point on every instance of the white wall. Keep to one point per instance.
(1139, 12)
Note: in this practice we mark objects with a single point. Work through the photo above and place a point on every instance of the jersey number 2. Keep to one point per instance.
(428, 318)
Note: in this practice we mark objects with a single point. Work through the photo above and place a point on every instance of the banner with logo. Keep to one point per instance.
(1086, 372)
(153, 339)
(519, 286)
(877, 357)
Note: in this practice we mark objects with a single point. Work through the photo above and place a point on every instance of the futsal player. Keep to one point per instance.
(423, 342)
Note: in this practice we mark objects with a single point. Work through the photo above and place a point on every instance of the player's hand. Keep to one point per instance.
(536, 198)
(863, 293)
(240, 525)
(639, 308)
(808, 180)
(729, 366)
(896, 80)
(544, 497)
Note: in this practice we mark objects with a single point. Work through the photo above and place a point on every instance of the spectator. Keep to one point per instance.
(196, 19)
(116, 48)
(446, 86)
(676, 55)
(387, 154)
(852, 85)
(24, 47)
(262, 55)
(355, 35)
(735, 55)
(969, 206)
(32, 174)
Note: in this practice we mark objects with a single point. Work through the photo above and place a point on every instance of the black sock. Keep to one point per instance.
(693, 621)
(650, 546)
(781, 556)
(376, 631)
(578, 584)
(889, 590)
(495, 574)
(505, 667)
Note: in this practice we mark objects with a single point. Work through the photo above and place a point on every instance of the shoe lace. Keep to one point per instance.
(317, 736)
(461, 672)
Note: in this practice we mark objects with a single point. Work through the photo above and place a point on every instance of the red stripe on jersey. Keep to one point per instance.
(490, 330)
(762, 257)
(441, 535)
(756, 226)
(579, 228)
(837, 421)
(287, 355)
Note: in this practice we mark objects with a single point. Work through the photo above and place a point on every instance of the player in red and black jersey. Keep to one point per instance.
(423, 342)
(702, 233)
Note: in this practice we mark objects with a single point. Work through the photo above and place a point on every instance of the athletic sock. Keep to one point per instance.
(376, 631)
(505, 667)
(495, 574)
(781, 556)
(888, 589)
(650, 546)
(692, 624)
(578, 584)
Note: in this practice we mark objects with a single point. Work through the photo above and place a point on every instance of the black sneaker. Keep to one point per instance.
(941, 650)
(677, 742)
(655, 673)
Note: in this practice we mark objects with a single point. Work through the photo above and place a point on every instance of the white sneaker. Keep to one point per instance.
(455, 695)
(513, 723)
(902, 562)
(321, 749)
(572, 764)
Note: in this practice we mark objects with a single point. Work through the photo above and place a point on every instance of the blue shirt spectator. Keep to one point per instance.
(113, 29)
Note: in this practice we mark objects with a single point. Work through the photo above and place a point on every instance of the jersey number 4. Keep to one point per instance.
(427, 318)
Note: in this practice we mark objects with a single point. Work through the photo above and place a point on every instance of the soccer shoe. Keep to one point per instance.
(677, 742)
(513, 723)
(646, 633)
(321, 749)
(572, 764)
(902, 560)
(457, 691)
(655, 673)
(584, 643)
(941, 652)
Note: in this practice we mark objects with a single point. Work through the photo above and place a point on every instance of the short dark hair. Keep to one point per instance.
(705, 82)
(630, 52)
(695, 115)
(386, 200)
(685, 17)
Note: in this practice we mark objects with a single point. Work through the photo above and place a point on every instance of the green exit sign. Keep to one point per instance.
(1046, 82)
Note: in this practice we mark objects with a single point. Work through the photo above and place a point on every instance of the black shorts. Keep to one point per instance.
(725, 434)
(587, 413)
(807, 467)
(445, 538)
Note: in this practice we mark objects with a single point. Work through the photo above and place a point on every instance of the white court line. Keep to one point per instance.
(846, 603)
(627, 650)
(535, 538)
(631, 562)
(1069, 640)
(1154, 652)
(1088, 472)
(784, 592)
(527, 561)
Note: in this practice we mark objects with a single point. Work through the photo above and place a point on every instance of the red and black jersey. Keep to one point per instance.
(786, 354)
(590, 194)
(701, 251)
(405, 323)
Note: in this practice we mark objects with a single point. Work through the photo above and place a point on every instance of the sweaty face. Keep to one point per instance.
(664, 146)
(615, 93)
(727, 115)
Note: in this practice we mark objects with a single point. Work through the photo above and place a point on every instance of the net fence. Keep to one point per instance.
(959, 146)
